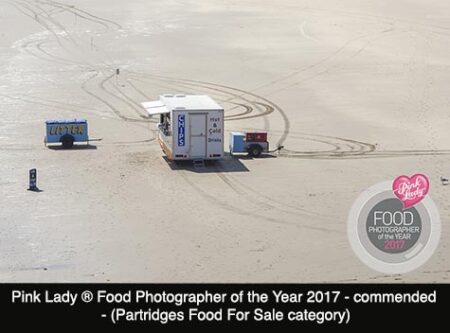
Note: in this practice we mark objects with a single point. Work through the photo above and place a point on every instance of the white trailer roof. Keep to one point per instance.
(190, 102)
(155, 107)
(167, 103)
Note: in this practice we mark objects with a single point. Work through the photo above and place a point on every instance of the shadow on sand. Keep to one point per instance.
(75, 147)
(230, 163)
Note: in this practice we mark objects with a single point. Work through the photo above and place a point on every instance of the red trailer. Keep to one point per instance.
(252, 143)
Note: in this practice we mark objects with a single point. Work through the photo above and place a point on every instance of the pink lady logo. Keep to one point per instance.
(411, 190)
(394, 226)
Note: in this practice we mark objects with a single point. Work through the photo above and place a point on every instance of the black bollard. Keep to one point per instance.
(33, 181)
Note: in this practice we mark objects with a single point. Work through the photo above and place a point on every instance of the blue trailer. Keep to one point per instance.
(66, 132)
(252, 143)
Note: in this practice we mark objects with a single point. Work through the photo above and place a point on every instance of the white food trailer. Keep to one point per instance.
(190, 126)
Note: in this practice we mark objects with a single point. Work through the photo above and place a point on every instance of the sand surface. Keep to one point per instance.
(357, 92)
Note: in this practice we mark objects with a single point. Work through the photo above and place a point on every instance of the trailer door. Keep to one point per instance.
(197, 129)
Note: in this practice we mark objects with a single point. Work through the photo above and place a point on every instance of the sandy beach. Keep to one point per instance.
(356, 93)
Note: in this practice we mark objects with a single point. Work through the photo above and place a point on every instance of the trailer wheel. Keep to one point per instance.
(67, 141)
(254, 150)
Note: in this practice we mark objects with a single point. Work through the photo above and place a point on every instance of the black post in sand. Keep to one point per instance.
(33, 181)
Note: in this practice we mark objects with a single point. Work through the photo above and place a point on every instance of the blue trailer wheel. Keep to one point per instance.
(67, 141)
(254, 150)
